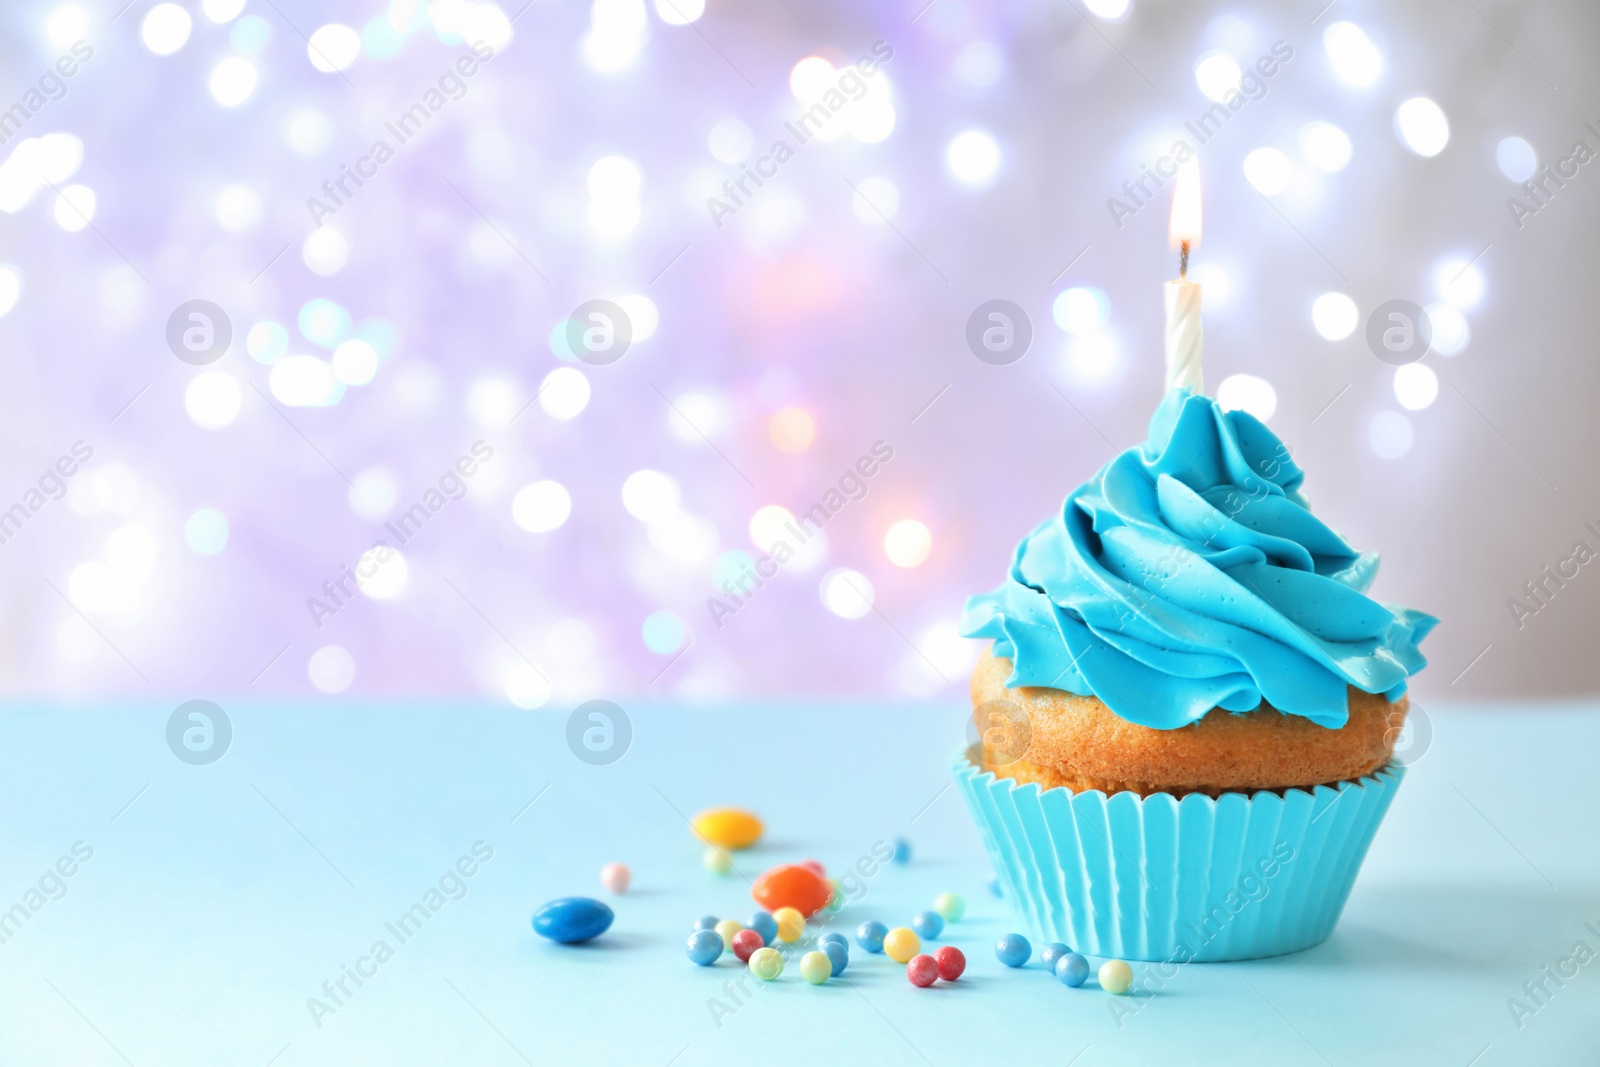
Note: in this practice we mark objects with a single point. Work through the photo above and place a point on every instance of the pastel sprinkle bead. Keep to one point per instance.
(745, 943)
(726, 929)
(764, 924)
(1051, 953)
(951, 962)
(928, 924)
(1072, 970)
(950, 906)
(833, 935)
(816, 968)
(902, 850)
(766, 964)
(705, 947)
(716, 861)
(791, 924)
(901, 944)
(615, 877)
(1115, 977)
(994, 887)
(1013, 950)
(838, 956)
(571, 920)
(706, 922)
(727, 828)
(870, 935)
(922, 970)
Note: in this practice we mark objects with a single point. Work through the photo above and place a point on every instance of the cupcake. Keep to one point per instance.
(1185, 721)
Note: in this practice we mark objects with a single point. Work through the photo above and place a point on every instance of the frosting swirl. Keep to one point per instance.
(1188, 574)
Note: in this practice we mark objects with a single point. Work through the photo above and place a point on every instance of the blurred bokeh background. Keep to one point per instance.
(564, 152)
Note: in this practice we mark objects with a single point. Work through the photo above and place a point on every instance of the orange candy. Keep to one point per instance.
(792, 886)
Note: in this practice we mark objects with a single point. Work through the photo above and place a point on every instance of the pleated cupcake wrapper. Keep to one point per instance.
(1159, 878)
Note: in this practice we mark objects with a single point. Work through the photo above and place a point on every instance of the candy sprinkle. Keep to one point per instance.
(901, 944)
(838, 956)
(1072, 969)
(705, 947)
(870, 935)
(950, 906)
(951, 962)
(766, 963)
(1013, 950)
(833, 935)
(928, 924)
(791, 886)
(726, 929)
(727, 828)
(745, 942)
(922, 970)
(816, 968)
(1050, 953)
(706, 922)
(791, 924)
(1115, 977)
(764, 924)
(902, 850)
(716, 861)
(614, 877)
(572, 920)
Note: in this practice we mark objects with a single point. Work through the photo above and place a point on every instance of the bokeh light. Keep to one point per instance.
(1516, 159)
(1422, 126)
(1269, 170)
(973, 158)
(1326, 146)
(1246, 392)
(206, 531)
(1415, 386)
(165, 28)
(847, 593)
(1335, 316)
(1218, 75)
(1389, 434)
(542, 506)
(1356, 60)
(331, 669)
(792, 430)
(1081, 309)
(907, 543)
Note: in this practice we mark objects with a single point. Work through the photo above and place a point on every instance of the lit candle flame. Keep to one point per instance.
(1184, 230)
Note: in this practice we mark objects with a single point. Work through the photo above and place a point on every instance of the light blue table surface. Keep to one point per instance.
(220, 898)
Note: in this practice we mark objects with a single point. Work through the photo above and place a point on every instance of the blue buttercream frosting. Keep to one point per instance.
(1189, 574)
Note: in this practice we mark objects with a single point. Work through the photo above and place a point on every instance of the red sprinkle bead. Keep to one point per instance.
(814, 867)
(951, 962)
(745, 942)
(922, 970)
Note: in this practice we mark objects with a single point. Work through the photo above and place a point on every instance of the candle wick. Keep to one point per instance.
(1183, 260)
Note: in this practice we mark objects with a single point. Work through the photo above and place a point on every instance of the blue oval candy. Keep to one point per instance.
(570, 920)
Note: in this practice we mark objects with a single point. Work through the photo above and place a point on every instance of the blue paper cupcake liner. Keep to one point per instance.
(1161, 878)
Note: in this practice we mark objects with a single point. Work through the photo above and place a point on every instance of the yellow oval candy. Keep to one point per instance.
(728, 827)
